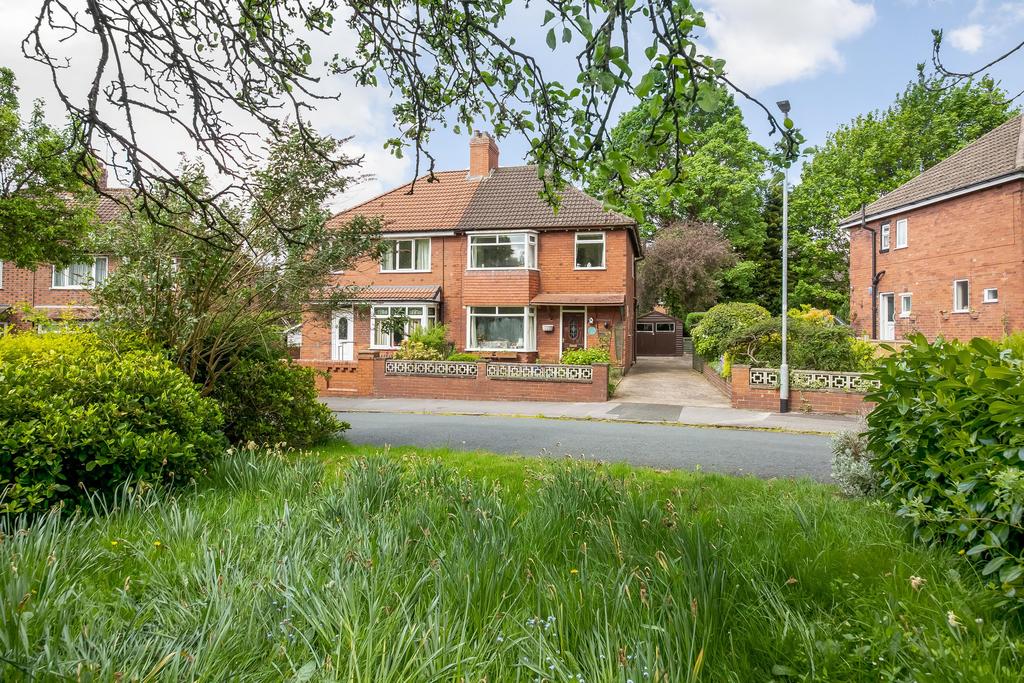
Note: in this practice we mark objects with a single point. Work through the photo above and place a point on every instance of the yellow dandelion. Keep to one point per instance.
(574, 571)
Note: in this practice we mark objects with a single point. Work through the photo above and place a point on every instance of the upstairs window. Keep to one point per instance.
(412, 255)
(885, 238)
(589, 251)
(504, 250)
(991, 296)
(961, 296)
(901, 233)
(81, 275)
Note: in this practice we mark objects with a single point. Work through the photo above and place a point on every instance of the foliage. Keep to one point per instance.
(711, 335)
(46, 213)
(426, 343)
(681, 267)
(872, 155)
(267, 398)
(81, 415)
(948, 436)
(333, 565)
(817, 316)
(209, 300)
(416, 350)
(586, 356)
(811, 346)
(851, 465)
(693, 319)
(463, 357)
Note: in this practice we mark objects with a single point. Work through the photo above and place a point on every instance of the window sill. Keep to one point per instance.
(72, 288)
(966, 310)
(594, 268)
(993, 301)
(474, 350)
(493, 270)
(399, 272)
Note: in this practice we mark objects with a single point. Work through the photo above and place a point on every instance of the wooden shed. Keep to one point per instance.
(659, 334)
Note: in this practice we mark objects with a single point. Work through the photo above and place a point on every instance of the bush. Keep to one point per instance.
(692, 320)
(720, 323)
(851, 465)
(586, 356)
(81, 415)
(812, 346)
(410, 349)
(463, 357)
(948, 438)
(267, 399)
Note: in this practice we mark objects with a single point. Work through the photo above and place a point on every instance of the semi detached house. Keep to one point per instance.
(943, 254)
(481, 252)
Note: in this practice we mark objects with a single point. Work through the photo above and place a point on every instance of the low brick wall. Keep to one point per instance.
(716, 380)
(831, 401)
(369, 377)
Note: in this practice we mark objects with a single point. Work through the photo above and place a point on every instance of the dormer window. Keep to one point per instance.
(503, 250)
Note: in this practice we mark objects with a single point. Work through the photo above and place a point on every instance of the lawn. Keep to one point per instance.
(421, 565)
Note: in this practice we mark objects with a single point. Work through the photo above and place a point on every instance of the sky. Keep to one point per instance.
(832, 59)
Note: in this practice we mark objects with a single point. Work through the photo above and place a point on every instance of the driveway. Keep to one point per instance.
(728, 451)
(667, 380)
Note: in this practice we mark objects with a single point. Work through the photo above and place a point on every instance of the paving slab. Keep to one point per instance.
(668, 380)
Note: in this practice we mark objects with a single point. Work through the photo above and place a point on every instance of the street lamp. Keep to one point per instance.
(783, 106)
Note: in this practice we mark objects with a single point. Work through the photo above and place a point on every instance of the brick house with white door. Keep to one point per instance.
(943, 254)
(478, 250)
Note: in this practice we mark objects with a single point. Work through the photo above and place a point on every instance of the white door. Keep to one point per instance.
(887, 315)
(342, 341)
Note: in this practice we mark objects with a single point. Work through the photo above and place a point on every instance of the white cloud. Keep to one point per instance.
(968, 38)
(768, 43)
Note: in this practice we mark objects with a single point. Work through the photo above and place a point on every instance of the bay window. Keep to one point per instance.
(503, 250)
(84, 275)
(406, 255)
(589, 251)
(389, 325)
(502, 328)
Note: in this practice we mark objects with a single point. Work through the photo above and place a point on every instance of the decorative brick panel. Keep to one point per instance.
(766, 397)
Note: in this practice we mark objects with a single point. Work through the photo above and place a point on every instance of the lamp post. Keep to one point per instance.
(784, 368)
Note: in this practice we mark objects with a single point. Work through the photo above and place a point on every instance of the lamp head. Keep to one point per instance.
(783, 106)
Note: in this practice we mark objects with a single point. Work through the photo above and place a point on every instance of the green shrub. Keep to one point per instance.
(81, 415)
(812, 346)
(410, 349)
(586, 356)
(463, 357)
(267, 399)
(433, 337)
(851, 465)
(692, 320)
(948, 438)
(720, 323)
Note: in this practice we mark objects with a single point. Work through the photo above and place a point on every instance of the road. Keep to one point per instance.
(730, 451)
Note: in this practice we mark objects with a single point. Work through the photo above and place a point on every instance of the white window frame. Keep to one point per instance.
(425, 319)
(648, 331)
(529, 315)
(906, 310)
(902, 231)
(883, 245)
(529, 254)
(967, 302)
(67, 274)
(589, 239)
(986, 299)
(416, 267)
(670, 324)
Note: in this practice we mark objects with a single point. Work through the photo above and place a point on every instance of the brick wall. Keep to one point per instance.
(714, 379)
(831, 402)
(34, 287)
(978, 237)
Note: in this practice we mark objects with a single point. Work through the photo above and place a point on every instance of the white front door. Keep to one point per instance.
(887, 317)
(342, 340)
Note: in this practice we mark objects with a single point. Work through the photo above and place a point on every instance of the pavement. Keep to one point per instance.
(727, 451)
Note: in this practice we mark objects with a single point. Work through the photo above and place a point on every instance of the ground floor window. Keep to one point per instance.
(389, 325)
(502, 328)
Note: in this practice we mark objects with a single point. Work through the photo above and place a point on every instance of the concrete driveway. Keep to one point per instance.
(668, 380)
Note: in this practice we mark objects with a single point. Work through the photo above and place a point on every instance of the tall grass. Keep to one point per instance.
(404, 567)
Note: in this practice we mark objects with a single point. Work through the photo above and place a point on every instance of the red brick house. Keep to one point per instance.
(480, 251)
(943, 254)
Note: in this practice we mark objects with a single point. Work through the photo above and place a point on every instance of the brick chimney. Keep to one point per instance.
(483, 155)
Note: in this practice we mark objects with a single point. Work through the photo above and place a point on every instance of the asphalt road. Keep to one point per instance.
(730, 451)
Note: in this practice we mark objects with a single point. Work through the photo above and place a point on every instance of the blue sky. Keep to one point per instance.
(833, 59)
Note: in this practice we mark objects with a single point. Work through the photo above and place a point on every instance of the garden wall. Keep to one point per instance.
(379, 377)
(839, 393)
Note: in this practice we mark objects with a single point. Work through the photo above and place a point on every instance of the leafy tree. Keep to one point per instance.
(682, 266)
(45, 211)
(209, 300)
(871, 155)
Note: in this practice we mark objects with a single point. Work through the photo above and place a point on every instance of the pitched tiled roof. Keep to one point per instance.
(398, 293)
(580, 299)
(506, 199)
(112, 204)
(997, 154)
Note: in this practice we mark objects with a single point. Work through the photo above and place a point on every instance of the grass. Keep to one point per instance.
(434, 565)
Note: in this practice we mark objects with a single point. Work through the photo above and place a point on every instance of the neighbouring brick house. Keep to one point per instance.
(943, 254)
(57, 292)
(481, 252)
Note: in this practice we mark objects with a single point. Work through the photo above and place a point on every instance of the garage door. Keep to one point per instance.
(656, 338)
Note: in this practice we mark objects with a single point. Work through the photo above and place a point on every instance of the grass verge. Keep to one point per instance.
(436, 565)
